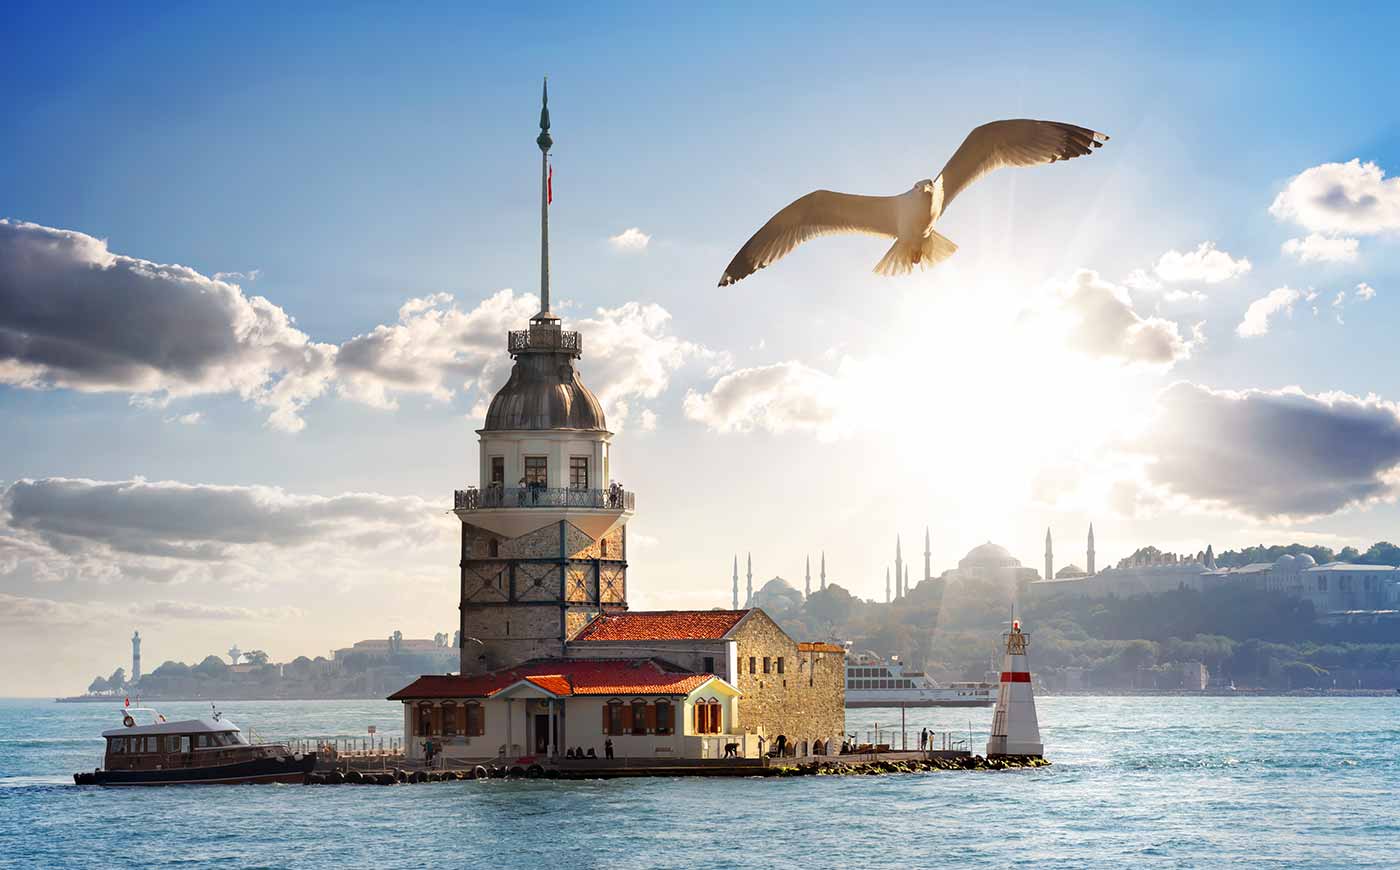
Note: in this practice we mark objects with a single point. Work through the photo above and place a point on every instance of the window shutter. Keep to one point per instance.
(607, 711)
(437, 720)
(626, 718)
(671, 717)
(651, 718)
(699, 717)
(462, 719)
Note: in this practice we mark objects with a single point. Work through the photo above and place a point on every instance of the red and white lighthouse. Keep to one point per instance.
(1015, 730)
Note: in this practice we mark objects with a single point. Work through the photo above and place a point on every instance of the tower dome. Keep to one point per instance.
(989, 555)
(544, 390)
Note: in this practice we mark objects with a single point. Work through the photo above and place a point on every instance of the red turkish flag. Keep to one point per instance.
(549, 198)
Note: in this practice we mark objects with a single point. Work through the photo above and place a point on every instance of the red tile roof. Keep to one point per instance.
(819, 646)
(562, 677)
(663, 625)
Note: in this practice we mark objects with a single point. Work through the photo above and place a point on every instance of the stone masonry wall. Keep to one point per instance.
(807, 702)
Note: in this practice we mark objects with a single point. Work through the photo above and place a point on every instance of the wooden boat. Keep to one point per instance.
(194, 751)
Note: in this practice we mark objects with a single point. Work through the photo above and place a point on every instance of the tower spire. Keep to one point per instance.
(898, 568)
(1049, 557)
(887, 584)
(736, 581)
(823, 569)
(545, 141)
(1090, 566)
(809, 578)
(749, 602)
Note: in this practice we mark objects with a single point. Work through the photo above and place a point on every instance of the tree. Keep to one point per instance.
(213, 667)
(256, 657)
(98, 686)
(117, 679)
(172, 669)
(831, 607)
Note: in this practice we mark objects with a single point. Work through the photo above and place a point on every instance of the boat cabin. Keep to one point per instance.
(162, 745)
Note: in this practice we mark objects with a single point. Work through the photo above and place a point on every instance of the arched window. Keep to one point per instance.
(476, 720)
(639, 717)
(612, 717)
(716, 723)
(425, 719)
(603, 548)
(449, 719)
(494, 548)
(665, 721)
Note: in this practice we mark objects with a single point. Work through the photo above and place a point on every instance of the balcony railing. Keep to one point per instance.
(543, 338)
(613, 498)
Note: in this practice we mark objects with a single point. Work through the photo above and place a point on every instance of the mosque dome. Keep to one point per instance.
(1286, 564)
(989, 555)
(544, 392)
(1305, 561)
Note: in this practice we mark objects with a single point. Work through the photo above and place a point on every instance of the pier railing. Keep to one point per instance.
(612, 498)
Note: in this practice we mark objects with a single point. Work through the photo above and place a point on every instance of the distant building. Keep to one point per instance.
(991, 562)
(435, 653)
(135, 657)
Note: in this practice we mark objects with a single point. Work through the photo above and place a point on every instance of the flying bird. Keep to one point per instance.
(908, 217)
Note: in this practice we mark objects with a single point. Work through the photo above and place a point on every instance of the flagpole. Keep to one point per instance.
(544, 141)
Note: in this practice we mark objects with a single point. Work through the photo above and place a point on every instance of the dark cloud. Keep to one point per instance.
(75, 315)
(1282, 453)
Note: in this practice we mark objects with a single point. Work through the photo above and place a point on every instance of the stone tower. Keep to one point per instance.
(135, 657)
(544, 536)
(1090, 567)
(1049, 557)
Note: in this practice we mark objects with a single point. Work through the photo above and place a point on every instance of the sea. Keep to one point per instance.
(1136, 782)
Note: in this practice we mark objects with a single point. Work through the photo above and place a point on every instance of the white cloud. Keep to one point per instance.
(1184, 296)
(1281, 453)
(1351, 198)
(782, 397)
(1097, 317)
(77, 316)
(1206, 263)
(1138, 279)
(630, 239)
(194, 418)
(1318, 248)
(1365, 292)
(1256, 317)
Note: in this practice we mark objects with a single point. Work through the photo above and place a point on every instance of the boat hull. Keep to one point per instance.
(282, 768)
(892, 702)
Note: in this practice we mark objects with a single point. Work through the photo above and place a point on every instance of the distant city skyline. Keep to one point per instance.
(1183, 339)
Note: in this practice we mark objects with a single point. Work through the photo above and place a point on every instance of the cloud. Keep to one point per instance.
(1318, 248)
(194, 418)
(1206, 263)
(1098, 319)
(1184, 296)
(1351, 198)
(1138, 279)
(63, 528)
(1365, 292)
(1282, 453)
(75, 315)
(437, 347)
(26, 612)
(782, 397)
(630, 239)
(1256, 317)
(189, 610)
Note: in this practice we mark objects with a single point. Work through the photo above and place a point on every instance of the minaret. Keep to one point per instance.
(887, 584)
(1090, 566)
(544, 534)
(1049, 557)
(736, 581)
(135, 657)
(809, 578)
(904, 593)
(823, 569)
(898, 568)
(749, 601)
(928, 557)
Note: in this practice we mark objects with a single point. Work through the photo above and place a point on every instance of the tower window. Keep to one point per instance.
(767, 664)
(709, 664)
(498, 471)
(537, 471)
(780, 664)
(494, 548)
(578, 472)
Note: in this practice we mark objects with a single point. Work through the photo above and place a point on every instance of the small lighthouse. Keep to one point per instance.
(1015, 730)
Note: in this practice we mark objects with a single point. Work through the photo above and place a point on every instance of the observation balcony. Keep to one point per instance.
(512, 511)
(544, 338)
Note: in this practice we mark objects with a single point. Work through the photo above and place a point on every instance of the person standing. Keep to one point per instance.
(608, 748)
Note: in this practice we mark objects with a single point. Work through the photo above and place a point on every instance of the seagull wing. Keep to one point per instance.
(819, 213)
(1014, 143)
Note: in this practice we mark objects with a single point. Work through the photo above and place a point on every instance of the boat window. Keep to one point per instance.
(185, 743)
(116, 745)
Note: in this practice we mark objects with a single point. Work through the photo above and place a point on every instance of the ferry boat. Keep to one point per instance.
(192, 751)
(873, 682)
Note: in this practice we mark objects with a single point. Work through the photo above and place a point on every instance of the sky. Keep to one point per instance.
(256, 267)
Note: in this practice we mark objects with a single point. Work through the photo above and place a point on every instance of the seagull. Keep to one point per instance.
(908, 217)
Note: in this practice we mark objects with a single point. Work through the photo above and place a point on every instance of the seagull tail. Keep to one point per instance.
(903, 255)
